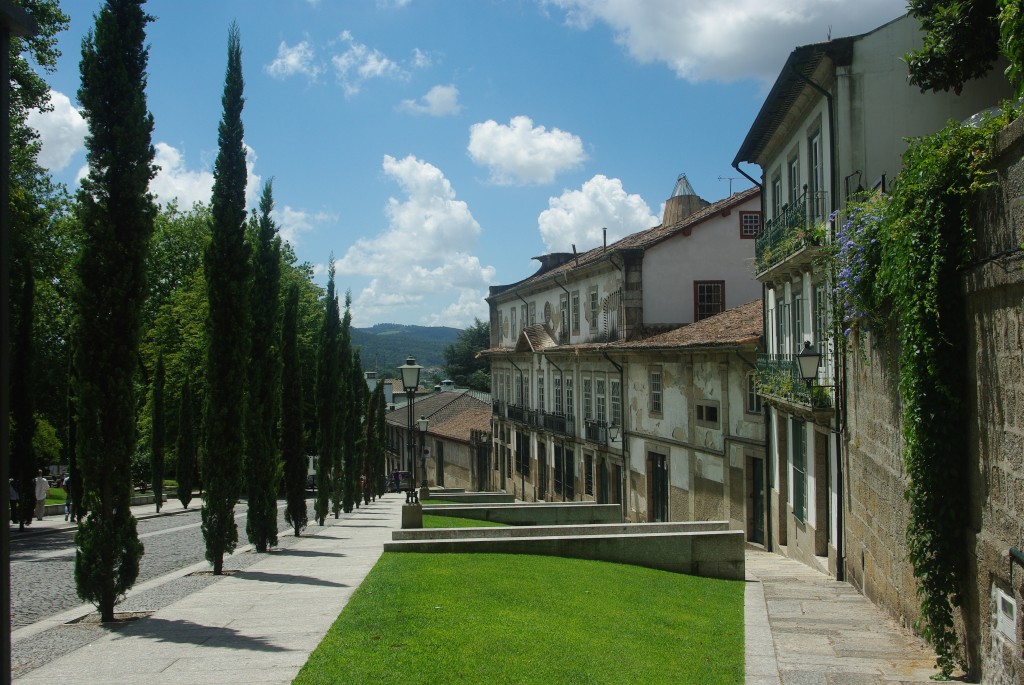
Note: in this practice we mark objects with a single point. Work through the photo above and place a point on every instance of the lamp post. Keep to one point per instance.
(808, 360)
(410, 371)
(423, 448)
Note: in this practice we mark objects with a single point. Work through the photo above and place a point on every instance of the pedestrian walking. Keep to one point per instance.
(15, 502)
(42, 490)
(66, 484)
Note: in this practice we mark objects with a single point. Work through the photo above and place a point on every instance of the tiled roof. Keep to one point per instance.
(535, 338)
(458, 426)
(438, 408)
(736, 326)
(637, 241)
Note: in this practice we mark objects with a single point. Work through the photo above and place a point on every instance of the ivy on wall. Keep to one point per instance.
(899, 260)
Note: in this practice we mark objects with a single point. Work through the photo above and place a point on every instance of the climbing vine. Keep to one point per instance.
(899, 262)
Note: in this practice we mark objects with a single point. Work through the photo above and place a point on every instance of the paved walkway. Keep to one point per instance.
(259, 625)
(803, 628)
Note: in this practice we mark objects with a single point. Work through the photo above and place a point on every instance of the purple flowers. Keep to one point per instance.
(857, 260)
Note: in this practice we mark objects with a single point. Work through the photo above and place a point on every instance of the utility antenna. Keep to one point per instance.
(730, 179)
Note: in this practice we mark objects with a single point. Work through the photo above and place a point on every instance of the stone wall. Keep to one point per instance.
(876, 514)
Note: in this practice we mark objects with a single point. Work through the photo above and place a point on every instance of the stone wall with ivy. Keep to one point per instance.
(987, 473)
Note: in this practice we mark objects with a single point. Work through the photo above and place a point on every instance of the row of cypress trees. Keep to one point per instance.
(253, 385)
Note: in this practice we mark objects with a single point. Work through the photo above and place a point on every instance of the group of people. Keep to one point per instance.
(41, 488)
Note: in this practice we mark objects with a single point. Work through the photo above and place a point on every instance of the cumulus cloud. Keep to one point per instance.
(297, 59)
(294, 222)
(521, 153)
(726, 41)
(360, 63)
(577, 217)
(438, 102)
(61, 132)
(441, 228)
(175, 181)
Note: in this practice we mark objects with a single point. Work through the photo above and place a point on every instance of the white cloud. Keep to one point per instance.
(294, 222)
(424, 252)
(521, 153)
(577, 217)
(175, 181)
(298, 59)
(461, 314)
(61, 131)
(360, 63)
(726, 41)
(438, 102)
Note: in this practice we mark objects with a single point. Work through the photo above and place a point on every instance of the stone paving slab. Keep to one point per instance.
(256, 626)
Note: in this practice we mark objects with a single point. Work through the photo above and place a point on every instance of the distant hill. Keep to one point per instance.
(385, 346)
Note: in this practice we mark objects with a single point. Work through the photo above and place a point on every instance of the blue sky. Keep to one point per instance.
(436, 146)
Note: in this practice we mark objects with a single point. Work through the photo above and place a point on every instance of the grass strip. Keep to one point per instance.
(491, 618)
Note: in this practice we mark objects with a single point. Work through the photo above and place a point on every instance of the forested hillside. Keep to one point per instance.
(385, 346)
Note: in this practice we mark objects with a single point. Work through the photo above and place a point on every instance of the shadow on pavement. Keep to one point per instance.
(286, 578)
(187, 632)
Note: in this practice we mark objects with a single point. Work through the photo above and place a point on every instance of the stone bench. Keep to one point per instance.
(709, 553)
(542, 531)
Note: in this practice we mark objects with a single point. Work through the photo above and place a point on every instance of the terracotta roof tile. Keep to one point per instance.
(743, 324)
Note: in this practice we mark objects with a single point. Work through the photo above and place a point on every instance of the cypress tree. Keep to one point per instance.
(227, 323)
(343, 490)
(292, 439)
(74, 472)
(117, 214)
(327, 400)
(23, 424)
(158, 431)
(263, 464)
(185, 447)
(378, 453)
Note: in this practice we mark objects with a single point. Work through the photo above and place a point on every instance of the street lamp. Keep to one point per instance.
(613, 432)
(423, 448)
(410, 371)
(808, 360)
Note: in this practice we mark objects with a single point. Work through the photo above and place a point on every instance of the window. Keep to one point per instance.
(576, 312)
(519, 391)
(794, 180)
(515, 331)
(821, 320)
(524, 312)
(707, 414)
(655, 388)
(750, 224)
(601, 412)
(798, 322)
(753, 399)
(798, 457)
(777, 199)
(588, 399)
(533, 313)
(592, 308)
(815, 176)
(570, 400)
(708, 299)
(616, 399)
(563, 317)
(557, 382)
(540, 393)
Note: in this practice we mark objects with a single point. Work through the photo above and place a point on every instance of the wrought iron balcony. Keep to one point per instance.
(559, 423)
(533, 418)
(596, 431)
(778, 377)
(516, 413)
(498, 408)
(799, 224)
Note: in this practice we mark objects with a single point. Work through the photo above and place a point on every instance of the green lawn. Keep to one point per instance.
(433, 521)
(490, 618)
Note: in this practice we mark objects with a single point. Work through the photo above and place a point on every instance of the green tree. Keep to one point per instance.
(227, 323)
(461, 363)
(158, 433)
(327, 400)
(293, 451)
(117, 215)
(345, 474)
(187, 446)
(263, 464)
(376, 478)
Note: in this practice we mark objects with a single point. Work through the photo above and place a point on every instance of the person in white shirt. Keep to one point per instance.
(42, 489)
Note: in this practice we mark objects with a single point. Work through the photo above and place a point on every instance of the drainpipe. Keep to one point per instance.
(838, 365)
(622, 432)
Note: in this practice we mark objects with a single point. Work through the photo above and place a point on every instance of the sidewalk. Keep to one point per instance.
(804, 628)
(260, 625)
(257, 626)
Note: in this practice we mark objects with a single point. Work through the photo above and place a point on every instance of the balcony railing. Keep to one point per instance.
(533, 418)
(596, 431)
(516, 413)
(498, 408)
(778, 376)
(559, 423)
(800, 223)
